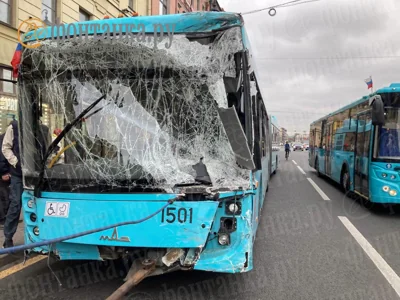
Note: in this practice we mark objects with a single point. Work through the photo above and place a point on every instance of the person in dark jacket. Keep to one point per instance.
(10, 149)
(4, 185)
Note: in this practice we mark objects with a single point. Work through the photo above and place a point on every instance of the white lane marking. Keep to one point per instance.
(301, 170)
(379, 262)
(317, 188)
(294, 162)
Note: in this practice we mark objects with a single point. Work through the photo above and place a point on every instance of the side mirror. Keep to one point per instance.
(378, 113)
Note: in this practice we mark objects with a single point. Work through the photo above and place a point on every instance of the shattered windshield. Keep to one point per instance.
(159, 118)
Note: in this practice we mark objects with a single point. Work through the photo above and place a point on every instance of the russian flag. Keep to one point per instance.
(16, 60)
(368, 81)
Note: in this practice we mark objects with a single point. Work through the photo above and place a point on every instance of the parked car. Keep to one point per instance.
(306, 146)
(298, 147)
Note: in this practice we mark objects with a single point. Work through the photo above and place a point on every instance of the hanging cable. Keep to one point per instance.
(272, 9)
(76, 235)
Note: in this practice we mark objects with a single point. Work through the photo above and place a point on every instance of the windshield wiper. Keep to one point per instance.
(62, 134)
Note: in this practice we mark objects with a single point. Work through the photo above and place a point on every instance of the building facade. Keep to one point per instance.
(183, 6)
(283, 134)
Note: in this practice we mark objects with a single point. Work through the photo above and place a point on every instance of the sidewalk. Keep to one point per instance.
(18, 239)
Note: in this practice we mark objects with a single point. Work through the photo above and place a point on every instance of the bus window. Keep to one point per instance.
(349, 141)
(388, 136)
(339, 142)
(367, 136)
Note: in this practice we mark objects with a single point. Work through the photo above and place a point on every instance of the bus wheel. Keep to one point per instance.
(345, 180)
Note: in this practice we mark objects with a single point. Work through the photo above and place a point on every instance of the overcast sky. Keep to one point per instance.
(297, 53)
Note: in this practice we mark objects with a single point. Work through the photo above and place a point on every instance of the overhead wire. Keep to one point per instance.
(335, 58)
(281, 5)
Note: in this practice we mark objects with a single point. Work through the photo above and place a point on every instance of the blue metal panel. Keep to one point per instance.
(274, 162)
(321, 160)
(340, 158)
(184, 23)
(232, 258)
(68, 251)
(393, 88)
(91, 214)
(377, 182)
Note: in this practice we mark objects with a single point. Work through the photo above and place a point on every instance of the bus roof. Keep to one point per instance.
(197, 22)
(393, 88)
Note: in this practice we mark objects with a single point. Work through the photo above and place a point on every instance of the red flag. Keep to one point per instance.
(16, 60)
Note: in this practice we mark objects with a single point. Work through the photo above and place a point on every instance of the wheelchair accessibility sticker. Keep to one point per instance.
(57, 209)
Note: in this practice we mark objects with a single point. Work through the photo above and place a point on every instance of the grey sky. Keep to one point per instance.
(298, 84)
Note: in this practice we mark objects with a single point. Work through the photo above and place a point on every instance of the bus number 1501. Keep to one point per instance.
(172, 214)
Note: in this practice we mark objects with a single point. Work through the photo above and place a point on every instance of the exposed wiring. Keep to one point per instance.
(76, 235)
(272, 11)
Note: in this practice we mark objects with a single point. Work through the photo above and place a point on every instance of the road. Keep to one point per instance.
(313, 243)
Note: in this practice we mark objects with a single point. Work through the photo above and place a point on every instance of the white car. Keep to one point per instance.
(298, 147)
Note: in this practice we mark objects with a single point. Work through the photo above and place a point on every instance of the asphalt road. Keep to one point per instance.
(306, 248)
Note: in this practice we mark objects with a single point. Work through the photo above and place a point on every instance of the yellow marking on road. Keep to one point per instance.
(21, 266)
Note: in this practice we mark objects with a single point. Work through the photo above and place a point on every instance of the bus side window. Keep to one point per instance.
(349, 141)
(323, 135)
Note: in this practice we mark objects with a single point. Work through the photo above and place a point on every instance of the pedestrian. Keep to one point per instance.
(4, 185)
(10, 149)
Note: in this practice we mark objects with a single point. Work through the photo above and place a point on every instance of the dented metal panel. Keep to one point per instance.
(236, 257)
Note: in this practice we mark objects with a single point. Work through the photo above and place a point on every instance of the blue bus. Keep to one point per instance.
(275, 141)
(357, 146)
(175, 136)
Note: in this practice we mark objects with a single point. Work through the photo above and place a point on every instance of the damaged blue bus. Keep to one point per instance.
(174, 134)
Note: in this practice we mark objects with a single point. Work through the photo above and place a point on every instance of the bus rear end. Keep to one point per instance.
(162, 127)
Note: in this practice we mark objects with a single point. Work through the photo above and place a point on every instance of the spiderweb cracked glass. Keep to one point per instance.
(158, 119)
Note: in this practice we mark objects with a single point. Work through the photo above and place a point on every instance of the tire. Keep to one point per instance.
(345, 180)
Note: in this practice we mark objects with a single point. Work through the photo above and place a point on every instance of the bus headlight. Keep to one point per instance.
(31, 203)
(393, 177)
(384, 175)
(36, 230)
(385, 188)
(392, 193)
(223, 239)
(233, 208)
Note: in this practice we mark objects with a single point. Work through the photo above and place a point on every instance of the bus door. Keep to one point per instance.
(328, 149)
(361, 165)
(311, 148)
